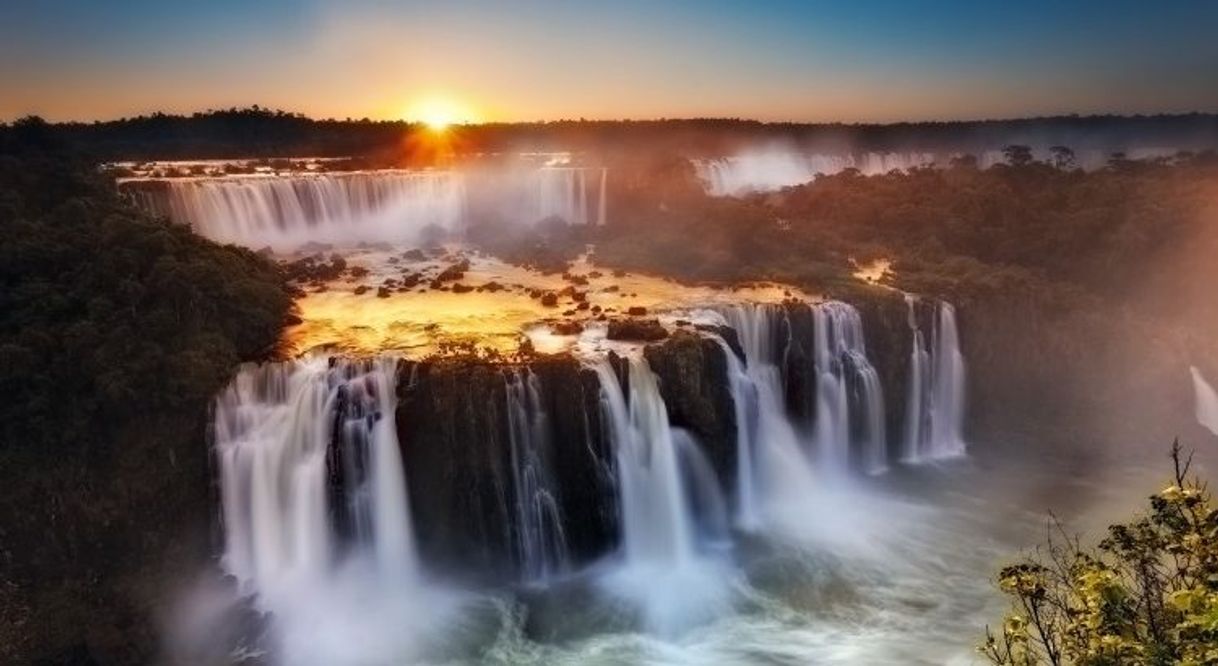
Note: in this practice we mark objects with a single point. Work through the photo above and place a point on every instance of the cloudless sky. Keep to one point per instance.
(535, 60)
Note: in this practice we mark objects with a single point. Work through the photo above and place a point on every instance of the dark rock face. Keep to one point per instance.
(799, 368)
(454, 439)
(693, 381)
(582, 456)
(889, 342)
(644, 330)
(454, 431)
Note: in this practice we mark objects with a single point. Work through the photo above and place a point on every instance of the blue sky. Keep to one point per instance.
(810, 61)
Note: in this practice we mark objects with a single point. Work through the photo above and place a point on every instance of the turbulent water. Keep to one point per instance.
(389, 206)
(781, 567)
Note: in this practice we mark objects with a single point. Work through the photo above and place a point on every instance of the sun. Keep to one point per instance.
(438, 113)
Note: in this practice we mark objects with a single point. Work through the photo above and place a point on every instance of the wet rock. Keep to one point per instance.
(693, 380)
(644, 330)
(453, 427)
(460, 288)
(454, 272)
(567, 327)
(414, 255)
(382, 292)
(361, 290)
(549, 299)
(636, 311)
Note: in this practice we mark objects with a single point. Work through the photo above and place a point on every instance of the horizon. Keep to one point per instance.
(623, 120)
(884, 64)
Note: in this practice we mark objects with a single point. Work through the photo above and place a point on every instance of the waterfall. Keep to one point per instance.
(601, 201)
(541, 545)
(283, 433)
(285, 212)
(768, 171)
(562, 192)
(782, 473)
(846, 386)
(1207, 401)
(670, 504)
(656, 518)
(935, 409)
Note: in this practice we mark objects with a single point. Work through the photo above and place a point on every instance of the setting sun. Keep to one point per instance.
(438, 113)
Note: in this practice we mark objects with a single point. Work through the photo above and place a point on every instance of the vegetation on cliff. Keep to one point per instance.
(115, 332)
(1147, 594)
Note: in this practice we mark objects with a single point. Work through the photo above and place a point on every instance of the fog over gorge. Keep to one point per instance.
(574, 334)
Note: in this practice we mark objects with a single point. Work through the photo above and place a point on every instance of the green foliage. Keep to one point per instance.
(107, 314)
(1147, 594)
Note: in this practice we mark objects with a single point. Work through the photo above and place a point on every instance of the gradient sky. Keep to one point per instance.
(806, 61)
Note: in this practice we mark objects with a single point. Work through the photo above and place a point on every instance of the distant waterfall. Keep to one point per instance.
(1207, 401)
(540, 542)
(768, 171)
(283, 434)
(935, 407)
(286, 212)
(563, 192)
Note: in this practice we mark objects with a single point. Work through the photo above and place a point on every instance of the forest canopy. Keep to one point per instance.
(106, 311)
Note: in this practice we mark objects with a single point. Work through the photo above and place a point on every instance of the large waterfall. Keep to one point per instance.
(304, 448)
(935, 407)
(285, 212)
(394, 206)
(550, 471)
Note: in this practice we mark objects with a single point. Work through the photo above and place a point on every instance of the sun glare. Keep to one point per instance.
(438, 113)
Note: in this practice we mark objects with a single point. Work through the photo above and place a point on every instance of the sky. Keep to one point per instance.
(878, 61)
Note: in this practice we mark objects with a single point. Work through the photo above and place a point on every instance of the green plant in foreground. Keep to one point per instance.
(1147, 594)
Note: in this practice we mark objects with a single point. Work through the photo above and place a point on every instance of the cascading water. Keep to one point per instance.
(661, 474)
(286, 212)
(282, 432)
(1207, 401)
(767, 171)
(541, 545)
(316, 516)
(656, 522)
(840, 358)
(782, 473)
(935, 408)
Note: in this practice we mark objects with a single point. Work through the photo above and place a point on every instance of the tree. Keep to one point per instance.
(1063, 157)
(1017, 155)
(1147, 594)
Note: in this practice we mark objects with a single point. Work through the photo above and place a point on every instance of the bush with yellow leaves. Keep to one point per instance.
(1147, 594)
